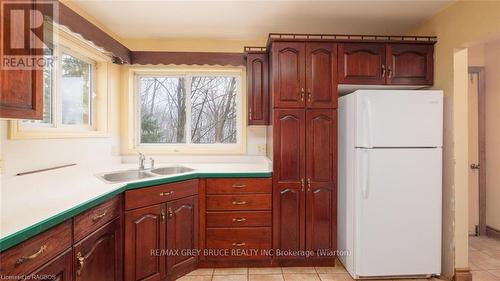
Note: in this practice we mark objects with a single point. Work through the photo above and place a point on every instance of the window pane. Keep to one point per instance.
(213, 109)
(163, 109)
(76, 90)
(48, 80)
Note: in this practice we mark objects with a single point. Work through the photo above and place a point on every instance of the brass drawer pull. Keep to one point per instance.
(163, 216)
(239, 244)
(239, 202)
(167, 193)
(81, 262)
(98, 217)
(170, 213)
(24, 259)
(239, 219)
(238, 185)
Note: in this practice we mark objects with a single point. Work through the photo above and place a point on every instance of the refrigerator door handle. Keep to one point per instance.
(366, 176)
(368, 124)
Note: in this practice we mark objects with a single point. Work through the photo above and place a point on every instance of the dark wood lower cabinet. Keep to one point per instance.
(144, 231)
(159, 238)
(182, 236)
(288, 220)
(99, 256)
(58, 269)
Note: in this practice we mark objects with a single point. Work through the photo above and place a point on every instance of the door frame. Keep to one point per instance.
(481, 98)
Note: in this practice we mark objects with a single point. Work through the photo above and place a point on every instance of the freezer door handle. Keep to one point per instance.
(368, 122)
(366, 176)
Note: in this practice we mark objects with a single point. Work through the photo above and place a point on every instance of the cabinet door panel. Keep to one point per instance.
(58, 269)
(258, 89)
(289, 174)
(321, 75)
(99, 256)
(288, 218)
(321, 169)
(144, 230)
(21, 90)
(410, 64)
(361, 63)
(182, 234)
(289, 145)
(288, 69)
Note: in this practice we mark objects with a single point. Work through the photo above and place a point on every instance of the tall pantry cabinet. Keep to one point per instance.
(304, 101)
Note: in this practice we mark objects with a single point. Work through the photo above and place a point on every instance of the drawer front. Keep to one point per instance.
(236, 185)
(242, 238)
(239, 202)
(34, 252)
(239, 219)
(96, 217)
(160, 193)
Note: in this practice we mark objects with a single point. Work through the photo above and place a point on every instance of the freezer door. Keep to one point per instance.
(398, 212)
(399, 118)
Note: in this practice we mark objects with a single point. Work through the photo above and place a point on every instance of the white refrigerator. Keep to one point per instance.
(390, 182)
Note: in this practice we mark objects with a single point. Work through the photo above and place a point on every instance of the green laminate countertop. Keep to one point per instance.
(37, 227)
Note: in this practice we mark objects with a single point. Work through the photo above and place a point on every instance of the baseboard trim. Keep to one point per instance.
(492, 232)
(462, 274)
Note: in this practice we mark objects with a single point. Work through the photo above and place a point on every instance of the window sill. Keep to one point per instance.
(187, 150)
(16, 133)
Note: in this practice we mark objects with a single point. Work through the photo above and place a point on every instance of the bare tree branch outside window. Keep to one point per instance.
(213, 102)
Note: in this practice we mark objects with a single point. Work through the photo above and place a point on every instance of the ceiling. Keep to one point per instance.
(250, 20)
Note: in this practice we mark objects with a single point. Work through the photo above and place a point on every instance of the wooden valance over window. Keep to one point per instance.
(89, 31)
(189, 58)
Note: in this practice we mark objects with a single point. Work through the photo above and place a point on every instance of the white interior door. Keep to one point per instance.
(473, 153)
(399, 118)
(398, 212)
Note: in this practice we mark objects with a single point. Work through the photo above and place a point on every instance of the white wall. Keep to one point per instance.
(26, 155)
(492, 73)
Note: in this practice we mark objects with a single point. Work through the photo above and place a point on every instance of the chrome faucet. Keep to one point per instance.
(142, 158)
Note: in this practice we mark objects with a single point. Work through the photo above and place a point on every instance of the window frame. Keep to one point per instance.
(134, 131)
(71, 44)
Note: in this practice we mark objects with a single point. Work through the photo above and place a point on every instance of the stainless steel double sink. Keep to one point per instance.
(130, 175)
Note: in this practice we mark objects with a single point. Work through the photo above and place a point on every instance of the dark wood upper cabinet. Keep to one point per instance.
(321, 148)
(182, 235)
(21, 90)
(321, 75)
(99, 256)
(410, 64)
(361, 63)
(144, 230)
(258, 88)
(58, 269)
(288, 74)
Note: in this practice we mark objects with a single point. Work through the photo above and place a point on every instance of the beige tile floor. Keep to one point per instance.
(337, 273)
(484, 258)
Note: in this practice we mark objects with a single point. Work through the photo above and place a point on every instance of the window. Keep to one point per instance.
(68, 93)
(190, 109)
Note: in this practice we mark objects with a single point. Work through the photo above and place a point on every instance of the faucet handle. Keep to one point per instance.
(152, 162)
